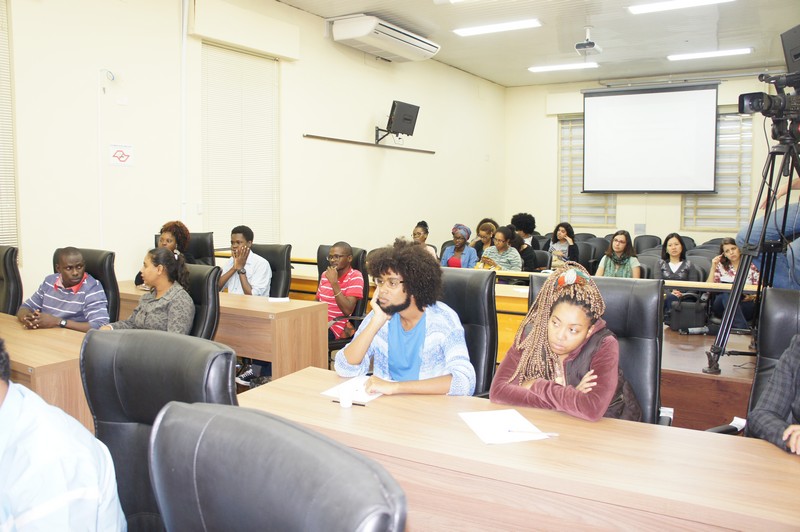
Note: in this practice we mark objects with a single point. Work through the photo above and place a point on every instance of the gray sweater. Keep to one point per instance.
(172, 312)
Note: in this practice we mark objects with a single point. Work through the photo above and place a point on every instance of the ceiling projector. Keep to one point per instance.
(588, 47)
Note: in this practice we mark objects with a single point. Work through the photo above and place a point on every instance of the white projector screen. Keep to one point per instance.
(650, 140)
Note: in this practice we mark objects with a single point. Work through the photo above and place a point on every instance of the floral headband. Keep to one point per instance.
(572, 276)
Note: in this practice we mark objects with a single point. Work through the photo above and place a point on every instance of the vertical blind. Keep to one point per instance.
(241, 171)
(575, 207)
(728, 209)
(8, 190)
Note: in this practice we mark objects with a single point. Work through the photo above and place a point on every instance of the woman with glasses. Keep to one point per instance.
(460, 255)
(620, 258)
(501, 256)
(485, 238)
(420, 236)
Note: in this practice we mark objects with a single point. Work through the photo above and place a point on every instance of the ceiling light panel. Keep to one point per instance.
(672, 4)
(496, 28)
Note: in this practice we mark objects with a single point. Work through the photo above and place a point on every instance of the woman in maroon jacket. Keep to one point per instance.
(563, 357)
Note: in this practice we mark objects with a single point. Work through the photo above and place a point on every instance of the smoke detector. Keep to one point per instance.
(588, 47)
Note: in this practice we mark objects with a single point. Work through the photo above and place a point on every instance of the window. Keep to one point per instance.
(579, 209)
(8, 189)
(241, 181)
(728, 209)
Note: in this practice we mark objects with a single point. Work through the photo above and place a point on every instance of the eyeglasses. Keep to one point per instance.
(415, 235)
(392, 282)
(332, 258)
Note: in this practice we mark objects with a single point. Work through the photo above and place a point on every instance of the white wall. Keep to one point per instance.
(69, 195)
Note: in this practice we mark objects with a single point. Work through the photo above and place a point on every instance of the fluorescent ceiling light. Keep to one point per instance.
(569, 66)
(495, 28)
(705, 55)
(672, 4)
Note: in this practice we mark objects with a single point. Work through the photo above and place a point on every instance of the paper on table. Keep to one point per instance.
(278, 299)
(502, 426)
(356, 384)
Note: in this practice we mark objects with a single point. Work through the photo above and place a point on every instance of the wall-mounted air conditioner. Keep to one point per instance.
(377, 37)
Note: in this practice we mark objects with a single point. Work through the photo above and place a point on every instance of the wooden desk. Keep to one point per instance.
(48, 362)
(290, 334)
(606, 475)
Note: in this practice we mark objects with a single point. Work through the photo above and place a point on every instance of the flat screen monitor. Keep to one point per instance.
(402, 119)
(791, 49)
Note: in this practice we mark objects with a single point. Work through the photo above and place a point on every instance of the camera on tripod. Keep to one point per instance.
(777, 106)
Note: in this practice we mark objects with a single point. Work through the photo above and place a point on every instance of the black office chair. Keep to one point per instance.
(100, 265)
(713, 242)
(688, 242)
(779, 323)
(643, 242)
(10, 281)
(584, 237)
(635, 314)
(708, 252)
(648, 265)
(585, 253)
(544, 259)
(360, 311)
(204, 478)
(600, 246)
(471, 294)
(702, 265)
(128, 376)
(279, 257)
(544, 242)
(201, 247)
(446, 245)
(653, 252)
(204, 289)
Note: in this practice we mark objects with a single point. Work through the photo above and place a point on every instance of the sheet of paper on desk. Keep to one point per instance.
(278, 299)
(356, 384)
(502, 426)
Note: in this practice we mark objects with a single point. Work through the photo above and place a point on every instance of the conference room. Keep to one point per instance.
(123, 115)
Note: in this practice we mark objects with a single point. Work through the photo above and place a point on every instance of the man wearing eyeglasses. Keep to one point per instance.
(340, 286)
(414, 342)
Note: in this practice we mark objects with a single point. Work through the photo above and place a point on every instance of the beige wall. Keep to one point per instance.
(496, 150)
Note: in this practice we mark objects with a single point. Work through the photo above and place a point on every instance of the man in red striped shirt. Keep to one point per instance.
(340, 286)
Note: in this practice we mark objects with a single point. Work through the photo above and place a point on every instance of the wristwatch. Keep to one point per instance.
(242, 272)
(62, 323)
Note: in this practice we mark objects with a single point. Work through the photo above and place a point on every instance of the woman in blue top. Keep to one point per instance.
(460, 255)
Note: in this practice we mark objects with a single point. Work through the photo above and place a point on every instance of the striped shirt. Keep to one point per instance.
(86, 304)
(351, 284)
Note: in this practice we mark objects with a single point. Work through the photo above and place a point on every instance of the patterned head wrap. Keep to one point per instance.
(463, 230)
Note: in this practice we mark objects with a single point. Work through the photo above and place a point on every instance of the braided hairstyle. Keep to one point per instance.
(571, 283)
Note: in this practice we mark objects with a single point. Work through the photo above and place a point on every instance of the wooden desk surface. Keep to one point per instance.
(605, 475)
(48, 362)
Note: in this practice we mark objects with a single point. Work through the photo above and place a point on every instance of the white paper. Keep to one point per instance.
(502, 426)
(278, 299)
(356, 386)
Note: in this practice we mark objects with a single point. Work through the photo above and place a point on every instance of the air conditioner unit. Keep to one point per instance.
(387, 41)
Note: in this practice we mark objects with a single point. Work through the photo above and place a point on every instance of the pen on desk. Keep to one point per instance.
(355, 403)
(548, 434)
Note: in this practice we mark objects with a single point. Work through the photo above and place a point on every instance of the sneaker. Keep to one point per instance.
(258, 381)
(244, 378)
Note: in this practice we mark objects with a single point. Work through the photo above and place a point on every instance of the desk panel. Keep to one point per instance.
(290, 334)
(48, 362)
(606, 475)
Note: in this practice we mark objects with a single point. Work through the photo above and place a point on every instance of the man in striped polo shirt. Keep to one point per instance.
(340, 286)
(70, 298)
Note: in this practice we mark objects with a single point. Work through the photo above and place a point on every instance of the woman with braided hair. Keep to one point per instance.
(563, 356)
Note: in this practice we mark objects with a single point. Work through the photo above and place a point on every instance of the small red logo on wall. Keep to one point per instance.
(121, 156)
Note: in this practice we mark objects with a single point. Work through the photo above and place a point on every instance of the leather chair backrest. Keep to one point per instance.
(446, 244)
(713, 242)
(600, 246)
(643, 242)
(218, 467)
(584, 237)
(544, 242)
(359, 263)
(205, 294)
(779, 322)
(688, 242)
(585, 253)
(279, 257)
(471, 294)
(701, 266)
(128, 376)
(543, 258)
(100, 265)
(650, 263)
(201, 247)
(635, 314)
(10, 281)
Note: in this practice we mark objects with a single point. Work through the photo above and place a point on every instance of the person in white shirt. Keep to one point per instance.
(54, 475)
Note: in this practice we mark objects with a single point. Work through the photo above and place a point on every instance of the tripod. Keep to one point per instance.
(789, 167)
